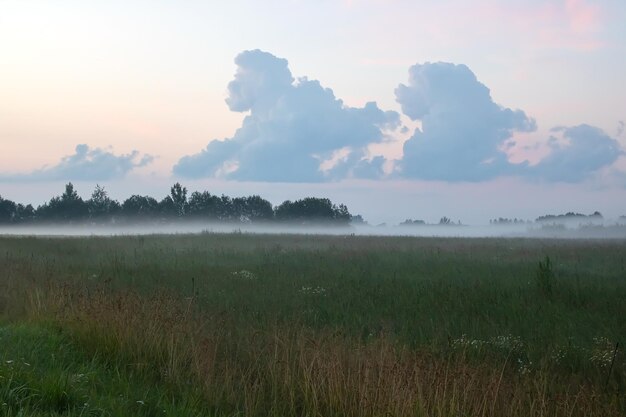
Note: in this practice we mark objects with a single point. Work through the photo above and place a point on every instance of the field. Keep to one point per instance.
(296, 325)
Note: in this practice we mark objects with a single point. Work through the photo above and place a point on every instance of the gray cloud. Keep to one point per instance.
(465, 134)
(462, 131)
(293, 125)
(582, 150)
(86, 164)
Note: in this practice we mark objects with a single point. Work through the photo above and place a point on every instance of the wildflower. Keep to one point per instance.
(244, 274)
(523, 367)
(313, 290)
(602, 353)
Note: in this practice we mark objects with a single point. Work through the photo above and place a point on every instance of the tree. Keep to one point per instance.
(312, 210)
(167, 208)
(225, 208)
(411, 222)
(445, 221)
(7, 210)
(100, 206)
(204, 205)
(140, 206)
(178, 194)
(258, 208)
(24, 213)
(251, 209)
(67, 208)
(358, 220)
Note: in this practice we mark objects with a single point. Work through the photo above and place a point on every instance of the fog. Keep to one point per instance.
(566, 229)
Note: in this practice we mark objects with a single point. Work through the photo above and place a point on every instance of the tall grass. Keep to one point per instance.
(334, 326)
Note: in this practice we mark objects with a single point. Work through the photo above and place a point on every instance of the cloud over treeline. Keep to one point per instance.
(88, 164)
(292, 127)
(296, 130)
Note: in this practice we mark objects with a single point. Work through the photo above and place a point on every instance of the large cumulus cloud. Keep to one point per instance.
(293, 126)
(463, 130)
(88, 164)
(464, 133)
(576, 153)
(296, 130)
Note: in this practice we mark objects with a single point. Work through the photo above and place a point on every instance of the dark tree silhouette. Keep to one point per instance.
(312, 210)
(204, 205)
(140, 206)
(68, 207)
(7, 210)
(411, 222)
(100, 206)
(178, 195)
(24, 213)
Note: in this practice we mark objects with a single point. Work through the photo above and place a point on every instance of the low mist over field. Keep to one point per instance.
(598, 231)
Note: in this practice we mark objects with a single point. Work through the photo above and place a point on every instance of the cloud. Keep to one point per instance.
(292, 128)
(296, 130)
(88, 164)
(576, 153)
(463, 130)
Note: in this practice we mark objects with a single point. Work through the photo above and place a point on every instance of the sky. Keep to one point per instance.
(399, 109)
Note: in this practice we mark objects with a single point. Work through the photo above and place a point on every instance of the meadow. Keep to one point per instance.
(300, 325)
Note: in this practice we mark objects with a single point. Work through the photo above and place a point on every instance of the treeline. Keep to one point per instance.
(507, 221)
(596, 215)
(100, 208)
(444, 221)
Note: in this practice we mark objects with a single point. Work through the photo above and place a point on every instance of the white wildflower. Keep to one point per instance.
(244, 274)
(313, 290)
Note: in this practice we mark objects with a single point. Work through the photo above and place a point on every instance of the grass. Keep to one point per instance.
(42, 373)
(235, 324)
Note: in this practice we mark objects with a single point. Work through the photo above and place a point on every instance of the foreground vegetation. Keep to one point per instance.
(259, 325)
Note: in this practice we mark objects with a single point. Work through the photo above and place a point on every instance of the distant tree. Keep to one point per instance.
(167, 208)
(100, 206)
(357, 220)
(341, 213)
(445, 221)
(66, 208)
(225, 209)
(204, 205)
(7, 211)
(24, 213)
(567, 216)
(312, 210)
(255, 208)
(410, 222)
(140, 206)
(178, 194)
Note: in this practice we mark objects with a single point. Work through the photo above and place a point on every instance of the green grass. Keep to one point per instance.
(42, 373)
(493, 305)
